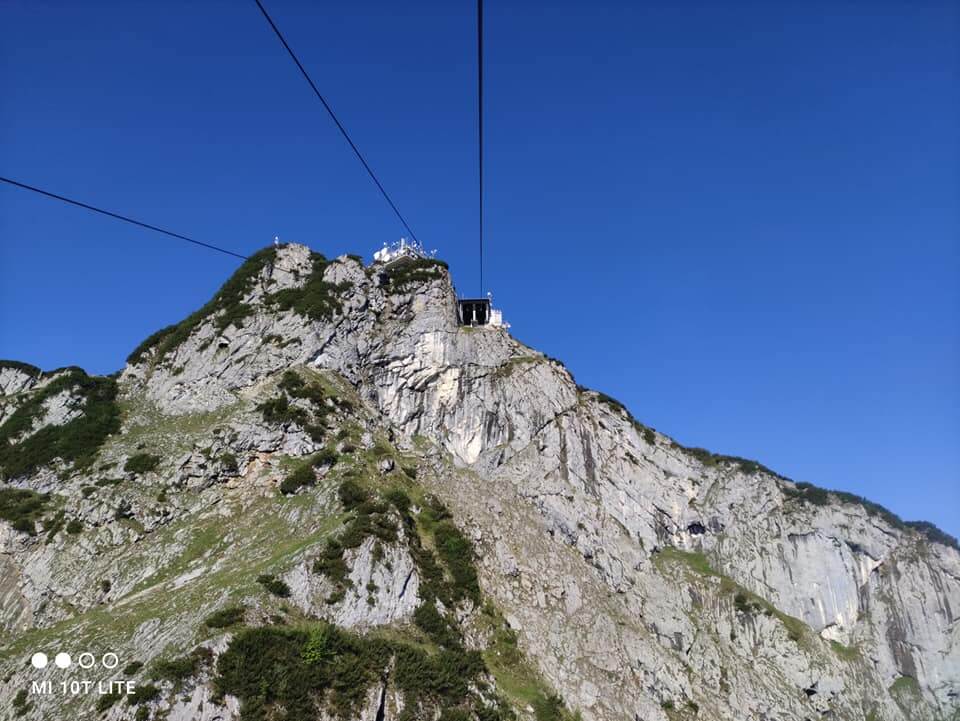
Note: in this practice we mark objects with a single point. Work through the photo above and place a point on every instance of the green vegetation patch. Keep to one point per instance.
(22, 508)
(227, 307)
(615, 404)
(905, 691)
(453, 577)
(814, 495)
(20, 366)
(550, 708)
(278, 410)
(457, 553)
(313, 419)
(694, 560)
(745, 602)
(905, 684)
(714, 460)
(512, 364)
(301, 476)
(304, 474)
(141, 463)
(183, 667)
(443, 556)
(932, 533)
(748, 603)
(849, 653)
(274, 585)
(229, 462)
(297, 387)
(352, 495)
(74, 527)
(143, 693)
(316, 299)
(76, 441)
(370, 518)
(440, 629)
(707, 458)
(320, 666)
(225, 617)
(406, 273)
(52, 526)
(516, 678)
(107, 700)
(648, 434)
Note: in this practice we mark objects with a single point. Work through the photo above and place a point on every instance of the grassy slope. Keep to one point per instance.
(214, 554)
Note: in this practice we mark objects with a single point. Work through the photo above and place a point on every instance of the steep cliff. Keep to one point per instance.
(402, 517)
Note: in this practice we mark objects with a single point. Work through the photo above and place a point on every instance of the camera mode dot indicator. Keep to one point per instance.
(62, 660)
(39, 660)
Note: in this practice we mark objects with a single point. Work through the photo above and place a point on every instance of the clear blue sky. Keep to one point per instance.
(741, 219)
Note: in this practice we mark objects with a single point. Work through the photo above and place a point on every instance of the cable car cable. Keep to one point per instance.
(339, 125)
(480, 125)
(117, 216)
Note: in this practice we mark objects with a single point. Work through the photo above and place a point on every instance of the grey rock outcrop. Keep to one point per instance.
(381, 591)
(643, 578)
(597, 481)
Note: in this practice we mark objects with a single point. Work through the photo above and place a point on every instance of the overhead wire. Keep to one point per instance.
(340, 127)
(118, 216)
(336, 120)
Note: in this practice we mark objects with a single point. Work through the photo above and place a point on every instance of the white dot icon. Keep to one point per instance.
(39, 660)
(62, 660)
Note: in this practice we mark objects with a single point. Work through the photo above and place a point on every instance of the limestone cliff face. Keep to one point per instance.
(645, 580)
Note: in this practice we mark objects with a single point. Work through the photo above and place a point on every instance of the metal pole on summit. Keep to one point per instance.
(480, 125)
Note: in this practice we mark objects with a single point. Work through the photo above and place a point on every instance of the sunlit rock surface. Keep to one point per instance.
(643, 580)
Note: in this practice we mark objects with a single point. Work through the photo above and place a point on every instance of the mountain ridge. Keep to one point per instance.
(228, 297)
(850, 607)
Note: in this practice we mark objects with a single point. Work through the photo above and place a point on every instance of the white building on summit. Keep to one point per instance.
(402, 249)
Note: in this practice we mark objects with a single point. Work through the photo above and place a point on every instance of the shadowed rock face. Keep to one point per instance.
(643, 580)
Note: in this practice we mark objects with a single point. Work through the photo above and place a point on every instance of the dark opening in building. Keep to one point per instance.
(474, 311)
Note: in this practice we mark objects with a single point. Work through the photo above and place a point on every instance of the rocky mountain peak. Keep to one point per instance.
(321, 465)
(286, 306)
